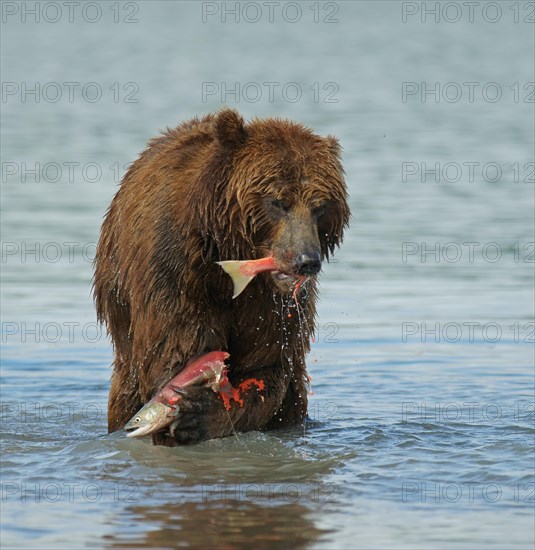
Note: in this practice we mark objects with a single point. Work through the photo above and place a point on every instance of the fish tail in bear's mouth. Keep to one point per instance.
(242, 272)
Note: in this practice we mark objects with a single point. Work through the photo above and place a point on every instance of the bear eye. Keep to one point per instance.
(278, 205)
(318, 212)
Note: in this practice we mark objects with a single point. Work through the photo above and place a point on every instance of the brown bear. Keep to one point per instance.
(210, 190)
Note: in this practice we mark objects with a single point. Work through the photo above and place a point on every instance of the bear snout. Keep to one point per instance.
(308, 263)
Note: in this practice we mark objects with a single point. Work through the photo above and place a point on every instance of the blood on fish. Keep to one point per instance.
(301, 280)
(235, 394)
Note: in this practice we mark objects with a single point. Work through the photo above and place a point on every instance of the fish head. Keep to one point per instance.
(152, 418)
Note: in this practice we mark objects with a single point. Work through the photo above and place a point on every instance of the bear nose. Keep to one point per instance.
(308, 264)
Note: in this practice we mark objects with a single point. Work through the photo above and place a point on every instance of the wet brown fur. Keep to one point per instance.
(195, 196)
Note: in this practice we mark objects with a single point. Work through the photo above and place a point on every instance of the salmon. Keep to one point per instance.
(242, 272)
(161, 411)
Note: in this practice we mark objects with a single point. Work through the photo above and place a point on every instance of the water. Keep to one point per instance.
(413, 442)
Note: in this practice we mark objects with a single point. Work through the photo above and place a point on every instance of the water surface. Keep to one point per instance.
(422, 418)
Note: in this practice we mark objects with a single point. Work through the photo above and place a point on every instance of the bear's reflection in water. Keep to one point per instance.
(217, 523)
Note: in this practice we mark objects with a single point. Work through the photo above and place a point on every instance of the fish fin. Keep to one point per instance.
(174, 412)
(174, 425)
(240, 281)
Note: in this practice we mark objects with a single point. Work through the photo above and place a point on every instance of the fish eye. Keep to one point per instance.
(137, 419)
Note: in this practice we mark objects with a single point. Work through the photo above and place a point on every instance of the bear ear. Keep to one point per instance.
(334, 145)
(230, 128)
